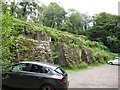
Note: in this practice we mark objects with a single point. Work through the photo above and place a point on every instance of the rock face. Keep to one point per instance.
(86, 55)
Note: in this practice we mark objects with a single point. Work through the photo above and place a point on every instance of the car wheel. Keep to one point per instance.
(47, 87)
(111, 63)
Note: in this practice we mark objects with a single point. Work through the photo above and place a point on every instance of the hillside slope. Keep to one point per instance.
(75, 48)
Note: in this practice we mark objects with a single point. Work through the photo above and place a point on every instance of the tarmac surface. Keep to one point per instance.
(105, 76)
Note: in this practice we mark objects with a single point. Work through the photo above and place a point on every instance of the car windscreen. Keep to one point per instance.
(60, 71)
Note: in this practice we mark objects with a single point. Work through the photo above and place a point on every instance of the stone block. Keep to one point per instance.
(87, 55)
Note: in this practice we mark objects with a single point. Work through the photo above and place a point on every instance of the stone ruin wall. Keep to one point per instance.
(86, 55)
(40, 47)
(42, 51)
(68, 55)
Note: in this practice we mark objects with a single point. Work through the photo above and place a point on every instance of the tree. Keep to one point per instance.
(85, 21)
(77, 22)
(25, 9)
(54, 15)
(4, 7)
(21, 10)
(105, 29)
(39, 18)
(13, 8)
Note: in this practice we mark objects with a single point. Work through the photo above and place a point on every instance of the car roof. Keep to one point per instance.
(44, 64)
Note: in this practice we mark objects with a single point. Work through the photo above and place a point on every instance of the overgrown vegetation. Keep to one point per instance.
(17, 27)
(73, 31)
(102, 27)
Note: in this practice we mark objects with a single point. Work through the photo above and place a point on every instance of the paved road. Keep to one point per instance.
(98, 77)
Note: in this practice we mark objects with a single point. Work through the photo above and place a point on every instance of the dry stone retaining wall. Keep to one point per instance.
(87, 55)
(39, 48)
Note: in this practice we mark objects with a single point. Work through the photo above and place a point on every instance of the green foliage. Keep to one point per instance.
(95, 44)
(21, 10)
(4, 6)
(106, 29)
(7, 38)
(62, 64)
(55, 54)
(54, 15)
(13, 28)
(54, 36)
(76, 22)
(114, 43)
(6, 62)
(102, 56)
(82, 65)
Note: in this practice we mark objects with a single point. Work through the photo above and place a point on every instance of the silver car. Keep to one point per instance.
(115, 61)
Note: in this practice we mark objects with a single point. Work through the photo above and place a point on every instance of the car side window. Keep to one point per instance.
(116, 59)
(20, 67)
(60, 70)
(38, 69)
(46, 70)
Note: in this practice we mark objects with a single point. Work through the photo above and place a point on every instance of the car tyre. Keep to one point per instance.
(111, 63)
(47, 87)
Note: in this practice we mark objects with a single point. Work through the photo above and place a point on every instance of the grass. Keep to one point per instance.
(75, 69)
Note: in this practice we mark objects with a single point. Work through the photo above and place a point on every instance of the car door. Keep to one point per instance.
(12, 78)
(8, 76)
(119, 61)
(33, 78)
(116, 61)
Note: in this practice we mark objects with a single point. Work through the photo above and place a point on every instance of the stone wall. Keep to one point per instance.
(68, 55)
(39, 47)
(87, 55)
(72, 56)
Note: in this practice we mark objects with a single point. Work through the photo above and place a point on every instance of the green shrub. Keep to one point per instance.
(94, 44)
(62, 64)
(55, 54)
(99, 55)
(82, 65)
